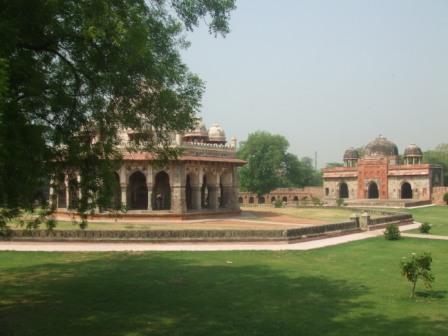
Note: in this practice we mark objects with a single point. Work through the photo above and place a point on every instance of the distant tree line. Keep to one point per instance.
(270, 165)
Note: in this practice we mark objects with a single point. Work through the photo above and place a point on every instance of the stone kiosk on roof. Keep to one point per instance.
(203, 180)
(381, 176)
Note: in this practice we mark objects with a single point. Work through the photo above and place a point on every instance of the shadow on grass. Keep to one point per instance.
(156, 294)
(438, 294)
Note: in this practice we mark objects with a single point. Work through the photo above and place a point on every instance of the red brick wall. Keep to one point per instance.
(437, 194)
(373, 169)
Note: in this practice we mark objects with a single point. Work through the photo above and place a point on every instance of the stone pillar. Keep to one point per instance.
(178, 201)
(67, 192)
(149, 186)
(213, 196)
(228, 196)
(364, 221)
(196, 197)
(124, 194)
(235, 189)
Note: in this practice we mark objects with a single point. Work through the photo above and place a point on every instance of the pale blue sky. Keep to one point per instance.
(328, 74)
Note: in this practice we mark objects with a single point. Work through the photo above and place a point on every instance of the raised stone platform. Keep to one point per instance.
(402, 203)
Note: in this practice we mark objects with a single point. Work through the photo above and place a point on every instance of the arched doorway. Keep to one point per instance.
(251, 200)
(161, 193)
(204, 193)
(272, 199)
(138, 191)
(261, 200)
(285, 199)
(373, 191)
(240, 200)
(73, 195)
(343, 190)
(188, 193)
(296, 199)
(406, 191)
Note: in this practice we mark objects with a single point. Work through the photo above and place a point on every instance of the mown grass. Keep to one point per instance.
(437, 216)
(351, 289)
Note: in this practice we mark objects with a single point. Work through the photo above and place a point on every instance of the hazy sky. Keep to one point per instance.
(328, 74)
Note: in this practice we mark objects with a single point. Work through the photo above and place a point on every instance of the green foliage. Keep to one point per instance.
(339, 202)
(418, 266)
(76, 71)
(278, 203)
(438, 156)
(392, 232)
(425, 227)
(270, 166)
(445, 197)
(316, 201)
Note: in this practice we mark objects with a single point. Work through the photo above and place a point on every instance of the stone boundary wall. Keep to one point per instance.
(437, 195)
(204, 235)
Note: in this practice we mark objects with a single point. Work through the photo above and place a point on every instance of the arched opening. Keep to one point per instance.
(116, 192)
(251, 200)
(188, 193)
(343, 190)
(285, 199)
(138, 191)
(73, 195)
(296, 198)
(327, 191)
(240, 200)
(373, 191)
(272, 199)
(222, 201)
(61, 193)
(261, 200)
(204, 193)
(406, 191)
(162, 192)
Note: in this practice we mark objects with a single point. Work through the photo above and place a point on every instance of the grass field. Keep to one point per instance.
(437, 216)
(351, 289)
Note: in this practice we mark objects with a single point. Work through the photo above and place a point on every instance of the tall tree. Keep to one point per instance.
(75, 72)
(439, 155)
(270, 166)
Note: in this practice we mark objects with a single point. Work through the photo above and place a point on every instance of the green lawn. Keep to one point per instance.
(436, 215)
(351, 289)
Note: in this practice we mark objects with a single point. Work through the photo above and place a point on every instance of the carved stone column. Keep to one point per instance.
(213, 197)
(124, 195)
(196, 197)
(149, 186)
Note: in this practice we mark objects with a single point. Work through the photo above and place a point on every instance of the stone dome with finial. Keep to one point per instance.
(381, 146)
(351, 154)
(413, 150)
(216, 134)
(198, 133)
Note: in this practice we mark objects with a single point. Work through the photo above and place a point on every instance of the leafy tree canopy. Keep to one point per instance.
(270, 166)
(75, 72)
(438, 156)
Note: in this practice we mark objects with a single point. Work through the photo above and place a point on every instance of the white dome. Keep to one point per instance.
(199, 130)
(216, 133)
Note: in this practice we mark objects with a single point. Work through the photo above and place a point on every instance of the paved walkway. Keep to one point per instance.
(218, 246)
(424, 236)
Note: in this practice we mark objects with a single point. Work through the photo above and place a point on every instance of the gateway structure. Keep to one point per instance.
(202, 180)
(381, 175)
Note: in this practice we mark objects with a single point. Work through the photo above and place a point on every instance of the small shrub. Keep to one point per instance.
(278, 203)
(418, 266)
(445, 198)
(316, 201)
(339, 202)
(425, 227)
(392, 232)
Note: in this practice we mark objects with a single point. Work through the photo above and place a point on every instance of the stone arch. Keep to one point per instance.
(272, 199)
(116, 191)
(73, 193)
(138, 191)
(406, 191)
(188, 192)
(373, 191)
(296, 198)
(240, 200)
(285, 199)
(61, 192)
(161, 195)
(261, 200)
(343, 190)
(251, 200)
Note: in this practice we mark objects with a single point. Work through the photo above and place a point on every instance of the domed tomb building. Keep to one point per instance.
(202, 180)
(379, 174)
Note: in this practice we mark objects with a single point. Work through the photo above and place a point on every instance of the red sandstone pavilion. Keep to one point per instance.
(202, 181)
(382, 177)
